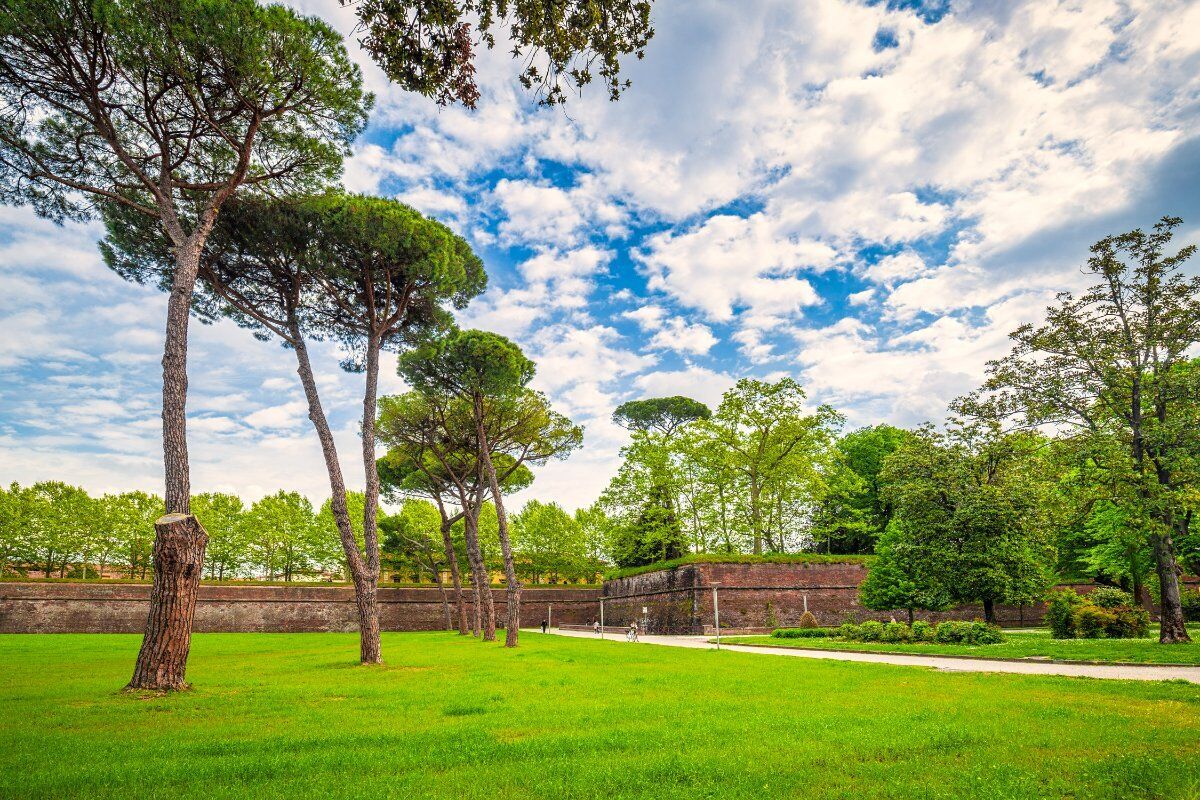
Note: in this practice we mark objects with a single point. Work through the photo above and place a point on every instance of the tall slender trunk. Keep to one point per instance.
(437, 578)
(513, 589)
(364, 587)
(173, 595)
(370, 648)
(485, 610)
(455, 577)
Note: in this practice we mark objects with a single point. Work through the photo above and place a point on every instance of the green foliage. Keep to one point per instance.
(1109, 597)
(428, 47)
(896, 632)
(1191, 604)
(662, 414)
(972, 633)
(470, 363)
(286, 539)
(804, 633)
(1060, 612)
(899, 578)
(922, 631)
(736, 558)
(550, 545)
(251, 94)
(870, 631)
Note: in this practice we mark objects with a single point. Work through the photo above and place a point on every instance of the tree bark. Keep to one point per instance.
(485, 609)
(371, 495)
(910, 617)
(455, 576)
(512, 624)
(364, 585)
(989, 612)
(1171, 628)
(179, 544)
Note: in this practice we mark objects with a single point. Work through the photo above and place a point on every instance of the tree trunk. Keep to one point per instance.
(512, 597)
(371, 494)
(365, 582)
(484, 606)
(455, 576)
(162, 660)
(1171, 628)
(910, 617)
(437, 578)
(989, 612)
(179, 544)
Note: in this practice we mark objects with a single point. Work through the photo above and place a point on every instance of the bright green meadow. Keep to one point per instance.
(1018, 644)
(293, 715)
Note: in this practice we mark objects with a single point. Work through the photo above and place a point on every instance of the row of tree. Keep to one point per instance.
(1079, 457)
(51, 529)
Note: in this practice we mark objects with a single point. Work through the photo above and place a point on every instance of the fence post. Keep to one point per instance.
(717, 614)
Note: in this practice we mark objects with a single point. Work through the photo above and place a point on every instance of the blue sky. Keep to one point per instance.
(865, 196)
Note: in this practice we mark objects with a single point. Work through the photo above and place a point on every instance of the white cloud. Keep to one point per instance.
(684, 337)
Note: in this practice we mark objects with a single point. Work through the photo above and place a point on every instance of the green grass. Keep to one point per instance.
(1018, 644)
(293, 715)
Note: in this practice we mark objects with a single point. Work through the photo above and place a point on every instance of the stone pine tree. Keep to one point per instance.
(663, 415)
(168, 109)
(430, 46)
(1110, 369)
(367, 272)
(488, 370)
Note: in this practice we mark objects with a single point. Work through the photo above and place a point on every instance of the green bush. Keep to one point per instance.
(805, 633)
(1132, 622)
(1109, 597)
(1191, 604)
(1092, 622)
(951, 632)
(849, 631)
(896, 632)
(807, 620)
(982, 633)
(922, 631)
(1060, 613)
(871, 631)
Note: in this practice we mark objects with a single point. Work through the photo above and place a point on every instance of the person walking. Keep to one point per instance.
(596, 626)
(632, 634)
(545, 626)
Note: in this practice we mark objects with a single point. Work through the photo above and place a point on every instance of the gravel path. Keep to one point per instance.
(1148, 672)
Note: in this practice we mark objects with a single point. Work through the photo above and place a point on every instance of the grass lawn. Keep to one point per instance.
(293, 715)
(1019, 644)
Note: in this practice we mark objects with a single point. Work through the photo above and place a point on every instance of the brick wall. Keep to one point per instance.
(121, 608)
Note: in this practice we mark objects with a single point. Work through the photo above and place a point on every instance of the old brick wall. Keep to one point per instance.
(121, 608)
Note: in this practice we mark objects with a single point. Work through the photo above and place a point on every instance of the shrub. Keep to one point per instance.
(807, 620)
(1191, 604)
(804, 633)
(951, 632)
(1060, 613)
(896, 632)
(871, 631)
(982, 633)
(922, 631)
(1093, 622)
(849, 631)
(1132, 622)
(1109, 597)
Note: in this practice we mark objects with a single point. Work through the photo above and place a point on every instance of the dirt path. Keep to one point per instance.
(1148, 672)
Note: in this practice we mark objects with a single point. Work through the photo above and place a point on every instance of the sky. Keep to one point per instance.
(864, 196)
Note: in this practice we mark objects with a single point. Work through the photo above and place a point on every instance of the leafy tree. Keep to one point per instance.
(970, 514)
(228, 548)
(852, 513)
(286, 539)
(549, 543)
(1111, 367)
(61, 523)
(427, 46)
(596, 531)
(662, 414)
(897, 579)
(16, 519)
(774, 448)
(167, 109)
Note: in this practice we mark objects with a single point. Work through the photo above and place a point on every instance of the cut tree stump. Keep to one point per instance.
(179, 542)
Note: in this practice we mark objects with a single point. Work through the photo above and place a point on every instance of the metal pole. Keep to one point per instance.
(601, 617)
(717, 615)
(549, 616)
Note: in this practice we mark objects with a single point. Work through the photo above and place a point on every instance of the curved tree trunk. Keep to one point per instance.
(179, 544)
(485, 608)
(364, 585)
(512, 624)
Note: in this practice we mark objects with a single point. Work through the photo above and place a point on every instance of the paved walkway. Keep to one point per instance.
(948, 664)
